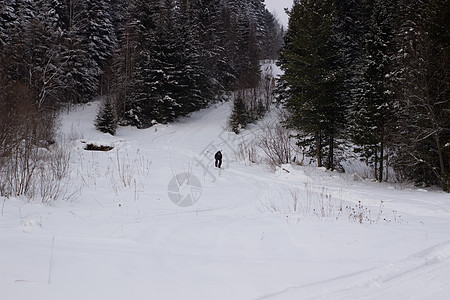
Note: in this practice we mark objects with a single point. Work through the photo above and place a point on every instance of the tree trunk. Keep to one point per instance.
(331, 154)
(387, 167)
(381, 170)
(444, 175)
(376, 162)
(318, 150)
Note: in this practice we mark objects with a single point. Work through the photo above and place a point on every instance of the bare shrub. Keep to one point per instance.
(18, 170)
(60, 160)
(54, 175)
(275, 141)
(306, 202)
(247, 152)
(295, 200)
(142, 164)
(323, 205)
(267, 86)
(37, 173)
(252, 99)
(27, 168)
(24, 127)
(52, 189)
(126, 170)
(75, 133)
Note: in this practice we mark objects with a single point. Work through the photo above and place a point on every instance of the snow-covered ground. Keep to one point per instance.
(296, 233)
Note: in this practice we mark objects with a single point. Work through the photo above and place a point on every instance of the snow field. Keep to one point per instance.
(120, 237)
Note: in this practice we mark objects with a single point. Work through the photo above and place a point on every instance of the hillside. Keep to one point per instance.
(296, 233)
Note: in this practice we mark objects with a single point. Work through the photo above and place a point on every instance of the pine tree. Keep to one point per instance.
(168, 78)
(29, 74)
(239, 117)
(373, 110)
(106, 118)
(310, 86)
(194, 86)
(176, 56)
(272, 40)
(8, 21)
(353, 27)
(210, 35)
(422, 151)
(30, 49)
(88, 45)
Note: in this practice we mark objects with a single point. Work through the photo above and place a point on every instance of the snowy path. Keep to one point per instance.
(427, 272)
(241, 240)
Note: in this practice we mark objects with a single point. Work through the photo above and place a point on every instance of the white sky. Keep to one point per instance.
(277, 7)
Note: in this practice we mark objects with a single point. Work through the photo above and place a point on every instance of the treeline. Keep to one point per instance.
(373, 76)
(176, 56)
(152, 60)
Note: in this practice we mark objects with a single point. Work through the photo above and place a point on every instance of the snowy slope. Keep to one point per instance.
(121, 237)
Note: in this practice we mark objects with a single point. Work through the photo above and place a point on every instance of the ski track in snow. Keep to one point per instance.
(429, 269)
(138, 245)
(376, 279)
(412, 265)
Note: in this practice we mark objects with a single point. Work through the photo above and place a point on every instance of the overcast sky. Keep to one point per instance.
(277, 7)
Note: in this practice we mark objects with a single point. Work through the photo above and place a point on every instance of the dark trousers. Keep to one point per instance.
(218, 163)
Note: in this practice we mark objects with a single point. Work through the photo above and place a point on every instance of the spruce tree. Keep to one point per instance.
(106, 118)
(210, 36)
(373, 111)
(239, 117)
(310, 86)
(168, 79)
(422, 138)
(97, 31)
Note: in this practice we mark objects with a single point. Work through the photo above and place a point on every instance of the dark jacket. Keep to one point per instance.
(218, 155)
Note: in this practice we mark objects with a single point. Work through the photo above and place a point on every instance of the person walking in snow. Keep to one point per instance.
(218, 158)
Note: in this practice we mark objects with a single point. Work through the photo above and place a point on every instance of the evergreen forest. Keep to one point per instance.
(371, 77)
(360, 76)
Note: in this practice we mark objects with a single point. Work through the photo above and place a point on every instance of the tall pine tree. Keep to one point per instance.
(168, 77)
(310, 85)
(373, 110)
(422, 141)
